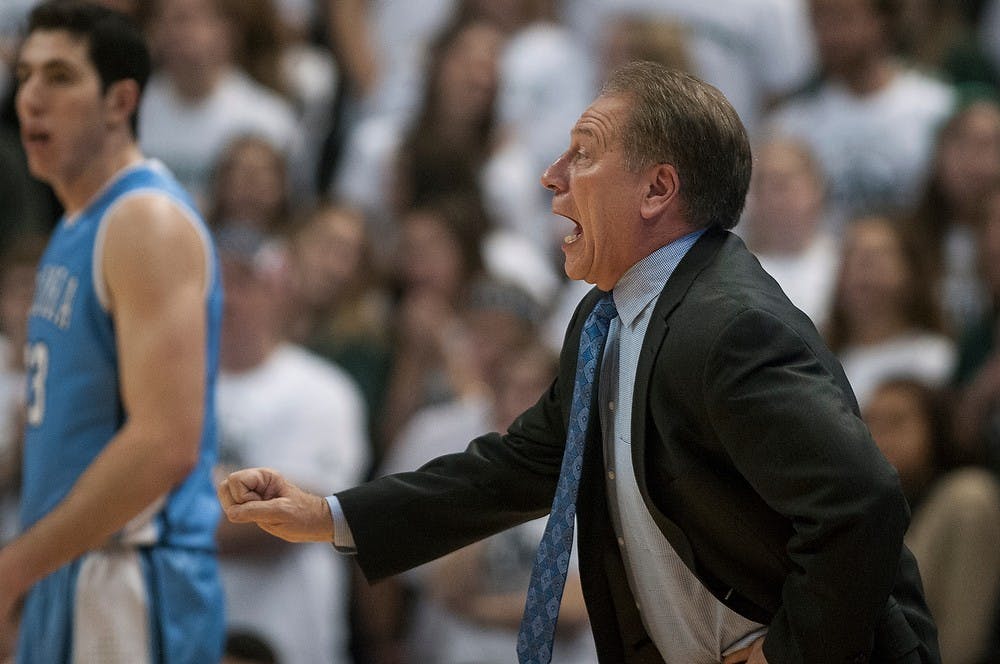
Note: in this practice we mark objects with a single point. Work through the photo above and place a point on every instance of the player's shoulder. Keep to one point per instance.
(151, 216)
(150, 235)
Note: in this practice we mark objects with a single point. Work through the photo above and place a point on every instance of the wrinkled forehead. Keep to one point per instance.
(603, 120)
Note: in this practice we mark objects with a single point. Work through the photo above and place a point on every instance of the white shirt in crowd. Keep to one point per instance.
(874, 151)
(752, 50)
(188, 137)
(925, 356)
(807, 277)
(12, 391)
(303, 416)
(438, 634)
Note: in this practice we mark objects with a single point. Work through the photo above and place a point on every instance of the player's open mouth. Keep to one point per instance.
(576, 235)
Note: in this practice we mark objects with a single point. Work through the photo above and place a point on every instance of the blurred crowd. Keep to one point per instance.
(393, 273)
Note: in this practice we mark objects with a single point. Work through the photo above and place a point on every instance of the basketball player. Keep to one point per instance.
(116, 561)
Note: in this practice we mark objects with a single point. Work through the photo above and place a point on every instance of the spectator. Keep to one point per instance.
(754, 51)
(989, 31)
(17, 279)
(249, 186)
(884, 320)
(632, 37)
(340, 309)
(13, 17)
(468, 605)
(381, 46)
(277, 55)
(978, 373)
(937, 36)
(392, 165)
(283, 407)
(785, 225)
(260, 43)
(200, 98)
(440, 253)
(870, 121)
(453, 133)
(454, 148)
(545, 81)
(956, 515)
(964, 170)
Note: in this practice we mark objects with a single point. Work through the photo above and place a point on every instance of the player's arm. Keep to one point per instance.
(155, 270)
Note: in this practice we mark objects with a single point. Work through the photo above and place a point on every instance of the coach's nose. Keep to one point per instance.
(554, 178)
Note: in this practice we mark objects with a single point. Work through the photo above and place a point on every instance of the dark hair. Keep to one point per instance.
(934, 211)
(25, 249)
(222, 168)
(936, 405)
(920, 307)
(260, 41)
(115, 45)
(428, 165)
(463, 216)
(681, 120)
(438, 52)
(251, 647)
(369, 273)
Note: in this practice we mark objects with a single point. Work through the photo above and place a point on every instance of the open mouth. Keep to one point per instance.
(36, 138)
(575, 235)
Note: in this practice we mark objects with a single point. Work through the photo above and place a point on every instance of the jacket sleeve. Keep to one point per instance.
(404, 520)
(788, 423)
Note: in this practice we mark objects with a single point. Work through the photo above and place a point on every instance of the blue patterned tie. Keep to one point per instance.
(548, 575)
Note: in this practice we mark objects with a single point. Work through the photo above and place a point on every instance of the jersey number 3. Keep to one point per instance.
(37, 361)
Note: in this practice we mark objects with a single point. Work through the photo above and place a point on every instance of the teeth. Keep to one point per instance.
(570, 239)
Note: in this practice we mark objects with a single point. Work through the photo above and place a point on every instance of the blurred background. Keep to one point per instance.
(394, 281)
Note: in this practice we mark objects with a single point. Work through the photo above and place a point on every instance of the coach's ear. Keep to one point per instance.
(662, 191)
(121, 101)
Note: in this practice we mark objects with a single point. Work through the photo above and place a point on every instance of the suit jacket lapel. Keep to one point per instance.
(659, 325)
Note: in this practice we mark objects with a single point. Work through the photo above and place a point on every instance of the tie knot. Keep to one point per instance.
(605, 309)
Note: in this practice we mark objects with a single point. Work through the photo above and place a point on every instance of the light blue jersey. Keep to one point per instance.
(75, 408)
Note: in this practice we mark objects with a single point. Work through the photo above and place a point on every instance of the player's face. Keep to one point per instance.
(593, 189)
(60, 105)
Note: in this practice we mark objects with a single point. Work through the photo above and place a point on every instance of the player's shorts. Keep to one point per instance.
(153, 605)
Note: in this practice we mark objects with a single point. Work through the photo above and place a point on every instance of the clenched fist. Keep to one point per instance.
(264, 497)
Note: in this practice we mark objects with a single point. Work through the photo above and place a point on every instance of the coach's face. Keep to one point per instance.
(593, 189)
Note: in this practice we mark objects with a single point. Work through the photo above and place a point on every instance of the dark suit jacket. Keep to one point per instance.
(750, 455)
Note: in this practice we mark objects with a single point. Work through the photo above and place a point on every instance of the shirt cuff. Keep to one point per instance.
(343, 540)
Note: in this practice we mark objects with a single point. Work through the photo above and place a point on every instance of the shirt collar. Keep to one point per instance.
(644, 280)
